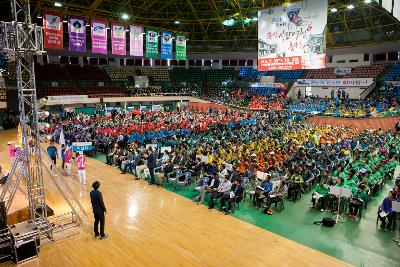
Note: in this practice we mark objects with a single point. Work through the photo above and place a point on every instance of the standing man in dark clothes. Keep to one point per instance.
(151, 164)
(98, 210)
(52, 151)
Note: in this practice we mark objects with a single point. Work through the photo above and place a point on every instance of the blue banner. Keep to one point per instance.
(82, 146)
(166, 45)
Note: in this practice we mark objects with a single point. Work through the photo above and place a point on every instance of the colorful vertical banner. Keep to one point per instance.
(77, 34)
(99, 36)
(136, 41)
(180, 46)
(151, 43)
(53, 30)
(166, 45)
(118, 39)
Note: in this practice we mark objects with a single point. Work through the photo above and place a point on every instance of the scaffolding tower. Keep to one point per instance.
(21, 40)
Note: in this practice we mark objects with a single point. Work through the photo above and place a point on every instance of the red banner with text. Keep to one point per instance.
(53, 30)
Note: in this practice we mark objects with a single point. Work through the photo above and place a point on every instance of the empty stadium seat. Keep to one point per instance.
(87, 73)
(120, 73)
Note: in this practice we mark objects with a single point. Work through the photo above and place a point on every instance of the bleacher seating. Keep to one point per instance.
(56, 91)
(287, 75)
(158, 74)
(105, 92)
(3, 95)
(327, 73)
(394, 73)
(120, 73)
(186, 75)
(248, 73)
(220, 75)
(372, 71)
(49, 72)
(87, 73)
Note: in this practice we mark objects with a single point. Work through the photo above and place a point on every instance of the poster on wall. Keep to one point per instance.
(151, 43)
(77, 34)
(136, 41)
(53, 30)
(180, 46)
(166, 45)
(99, 36)
(293, 36)
(118, 39)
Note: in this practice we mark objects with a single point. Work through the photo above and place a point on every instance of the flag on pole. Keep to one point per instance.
(61, 142)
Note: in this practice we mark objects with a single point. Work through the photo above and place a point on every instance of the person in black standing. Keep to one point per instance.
(151, 164)
(99, 209)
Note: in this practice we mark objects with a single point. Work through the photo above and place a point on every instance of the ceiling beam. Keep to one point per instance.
(205, 35)
(93, 7)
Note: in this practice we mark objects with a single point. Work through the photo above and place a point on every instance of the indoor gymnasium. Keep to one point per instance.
(200, 133)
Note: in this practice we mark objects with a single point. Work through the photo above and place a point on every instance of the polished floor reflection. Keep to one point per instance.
(150, 226)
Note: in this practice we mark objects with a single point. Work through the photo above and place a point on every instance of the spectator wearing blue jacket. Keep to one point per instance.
(52, 151)
(386, 212)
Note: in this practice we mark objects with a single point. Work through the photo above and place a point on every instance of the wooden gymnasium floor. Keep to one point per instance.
(150, 226)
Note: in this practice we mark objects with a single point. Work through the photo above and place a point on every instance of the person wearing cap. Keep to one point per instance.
(52, 151)
(81, 160)
(68, 160)
(11, 152)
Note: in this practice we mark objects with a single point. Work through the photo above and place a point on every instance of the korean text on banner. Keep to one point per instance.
(53, 30)
(99, 36)
(293, 37)
(180, 46)
(136, 41)
(118, 39)
(77, 34)
(151, 43)
(166, 45)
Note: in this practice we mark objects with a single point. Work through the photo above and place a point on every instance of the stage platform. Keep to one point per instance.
(150, 226)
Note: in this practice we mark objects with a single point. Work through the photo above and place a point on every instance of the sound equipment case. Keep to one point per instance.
(26, 241)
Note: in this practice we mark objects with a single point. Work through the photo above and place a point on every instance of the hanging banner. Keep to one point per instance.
(136, 41)
(166, 45)
(180, 46)
(350, 82)
(53, 30)
(99, 36)
(77, 34)
(151, 43)
(342, 71)
(293, 36)
(118, 39)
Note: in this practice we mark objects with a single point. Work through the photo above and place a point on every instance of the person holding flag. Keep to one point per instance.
(61, 148)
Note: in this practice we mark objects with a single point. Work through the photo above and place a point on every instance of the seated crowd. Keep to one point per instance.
(230, 153)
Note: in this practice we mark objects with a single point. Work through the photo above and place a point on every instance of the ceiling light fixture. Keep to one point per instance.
(177, 22)
(57, 4)
(367, 1)
(334, 10)
(350, 7)
(125, 16)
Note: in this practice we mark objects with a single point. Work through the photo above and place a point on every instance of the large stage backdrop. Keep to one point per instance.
(293, 37)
